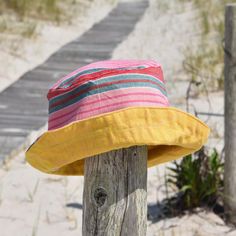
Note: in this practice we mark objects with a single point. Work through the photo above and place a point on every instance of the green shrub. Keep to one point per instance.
(198, 179)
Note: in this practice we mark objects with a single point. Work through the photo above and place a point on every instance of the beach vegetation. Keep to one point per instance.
(198, 179)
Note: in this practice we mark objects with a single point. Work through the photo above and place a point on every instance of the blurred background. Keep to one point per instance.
(41, 41)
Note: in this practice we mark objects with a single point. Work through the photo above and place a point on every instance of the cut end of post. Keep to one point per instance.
(230, 5)
(230, 10)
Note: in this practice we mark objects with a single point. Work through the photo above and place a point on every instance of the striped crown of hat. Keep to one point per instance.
(110, 105)
(105, 87)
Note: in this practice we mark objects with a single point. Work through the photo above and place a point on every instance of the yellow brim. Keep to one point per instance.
(168, 132)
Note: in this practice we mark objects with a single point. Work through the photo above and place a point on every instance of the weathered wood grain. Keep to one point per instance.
(115, 192)
(230, 113)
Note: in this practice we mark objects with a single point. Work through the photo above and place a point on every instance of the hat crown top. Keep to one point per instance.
(104, 87)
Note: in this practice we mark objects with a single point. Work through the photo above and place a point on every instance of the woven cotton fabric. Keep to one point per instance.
(109, 105)
(106, 87)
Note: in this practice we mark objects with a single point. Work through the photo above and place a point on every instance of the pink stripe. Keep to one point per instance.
(103, 109)
(105, 98)
(96, 105)
(109, 64)
(109, 95)
(120, 103)
(94, 101)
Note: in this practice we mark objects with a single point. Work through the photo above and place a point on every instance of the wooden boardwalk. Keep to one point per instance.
(23, 105)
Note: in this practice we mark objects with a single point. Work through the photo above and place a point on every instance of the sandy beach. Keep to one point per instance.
(34, 203)
(20, 54)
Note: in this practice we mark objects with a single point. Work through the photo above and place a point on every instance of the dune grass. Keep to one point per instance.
(21, 17)
(205, 63)
(46, 9)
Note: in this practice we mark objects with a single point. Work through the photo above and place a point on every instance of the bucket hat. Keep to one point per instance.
(110, 105)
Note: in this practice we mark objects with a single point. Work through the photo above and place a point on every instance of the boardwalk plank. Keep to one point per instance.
(23, 105)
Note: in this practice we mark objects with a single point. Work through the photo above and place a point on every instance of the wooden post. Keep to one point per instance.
(115, 193)
(230, 113)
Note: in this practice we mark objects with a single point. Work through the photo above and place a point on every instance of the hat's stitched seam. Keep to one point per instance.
(102, 116)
